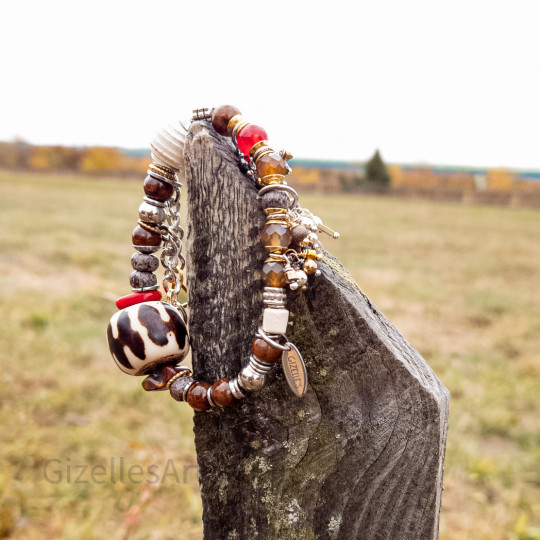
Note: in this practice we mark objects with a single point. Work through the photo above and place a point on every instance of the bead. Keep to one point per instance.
(197, 396)
(139, 280)
(250, 379)
(221, 116)
(158, 379)
(168, 147)
(157, 189)
(221, 393)
(271, 164)
(145, 241)
(146, 335)
(309, 267)
(265, 352)
(152, 214)
(276, 235)
(302, 278)
(249, 136)
(144, 263)
(299, 233)
(179, 388)
(137, 298)
(276, 198)
(274, 274)
(275, 320)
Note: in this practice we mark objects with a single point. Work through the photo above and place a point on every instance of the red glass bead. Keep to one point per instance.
(249, 136)
(137, 298)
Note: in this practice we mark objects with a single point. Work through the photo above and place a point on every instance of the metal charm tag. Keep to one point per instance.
(295, 370)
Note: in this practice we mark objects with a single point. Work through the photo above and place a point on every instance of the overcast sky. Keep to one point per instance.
(425, 81)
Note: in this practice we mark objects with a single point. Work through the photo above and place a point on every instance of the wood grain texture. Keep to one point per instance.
(361, 455)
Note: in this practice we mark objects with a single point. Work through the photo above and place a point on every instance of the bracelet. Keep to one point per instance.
(148, 336)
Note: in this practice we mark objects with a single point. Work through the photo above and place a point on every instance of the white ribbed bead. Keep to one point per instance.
(168, 147)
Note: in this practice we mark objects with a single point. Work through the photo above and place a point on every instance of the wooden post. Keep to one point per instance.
(361, 455)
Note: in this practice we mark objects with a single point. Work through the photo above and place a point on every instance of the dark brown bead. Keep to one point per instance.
(197, 396)
(140, 280)
(265, 352)
(221, 393)
(142, 237)
(274, 274)
(299, 233)
(158, 379)
(222, 116)
(157, 189)
(277, 198)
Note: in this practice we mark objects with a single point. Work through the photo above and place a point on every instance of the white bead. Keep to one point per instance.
(168, 147)
(275, 321)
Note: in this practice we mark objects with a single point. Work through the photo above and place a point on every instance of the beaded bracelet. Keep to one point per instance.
(148, 336)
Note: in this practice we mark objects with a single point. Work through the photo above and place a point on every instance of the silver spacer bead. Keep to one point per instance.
(151, 214)
(209, 397)
(154, 202)
(235, 389)
(144, 289)
(202, 114)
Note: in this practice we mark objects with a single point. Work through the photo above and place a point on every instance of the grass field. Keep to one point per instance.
(86, 454)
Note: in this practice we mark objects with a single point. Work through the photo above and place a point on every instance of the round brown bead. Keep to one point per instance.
(222, 116)
(157, 189)
(142, 237)
(221, 393)
(299, 233)
(265, 352)
(276, 198)
(274, 274)
(197, 396)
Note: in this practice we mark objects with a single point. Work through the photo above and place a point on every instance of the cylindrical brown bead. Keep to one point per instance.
(144, 263)
(265, 352)
(140, 280)
(221, 393)
(222, 116)
(197, 396)
(274, 274)
(143, 237)
(157, 189)
(277, 198)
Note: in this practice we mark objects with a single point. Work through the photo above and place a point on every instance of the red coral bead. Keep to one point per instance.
(249, 136)
(137, 298)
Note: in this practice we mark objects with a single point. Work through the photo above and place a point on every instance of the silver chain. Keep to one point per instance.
(172, 259)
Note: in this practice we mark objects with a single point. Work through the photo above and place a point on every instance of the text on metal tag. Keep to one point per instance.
(295, 370)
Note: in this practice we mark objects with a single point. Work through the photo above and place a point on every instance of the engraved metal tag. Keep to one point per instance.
(295, 370)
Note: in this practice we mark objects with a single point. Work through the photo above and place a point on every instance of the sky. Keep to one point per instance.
(454, 83)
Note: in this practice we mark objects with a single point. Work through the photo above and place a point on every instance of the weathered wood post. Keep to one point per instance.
(361, 455)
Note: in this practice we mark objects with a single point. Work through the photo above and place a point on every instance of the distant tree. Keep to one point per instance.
(376, 171)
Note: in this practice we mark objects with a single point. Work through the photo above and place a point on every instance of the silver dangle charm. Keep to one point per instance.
(295, 370)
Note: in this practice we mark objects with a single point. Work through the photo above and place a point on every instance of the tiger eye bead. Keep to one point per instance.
(271, 163)
(221, 117)
(265, 352)
(145, 241)
(274, 274)
(221, 393)
(276, 236)
(197, 396)
(157, 189)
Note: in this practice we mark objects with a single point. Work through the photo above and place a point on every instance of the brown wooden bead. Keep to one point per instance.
(222, 116)
(275, 199)
(271, 163)
(276, 235)
(274, 274)
(197, 396)
(221, 393)
(142, 237)
(265, 352)
(157, 189)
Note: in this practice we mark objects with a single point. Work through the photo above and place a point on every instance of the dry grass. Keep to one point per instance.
(460, 282)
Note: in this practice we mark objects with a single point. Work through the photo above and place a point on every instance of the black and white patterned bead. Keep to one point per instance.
(145, 335)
